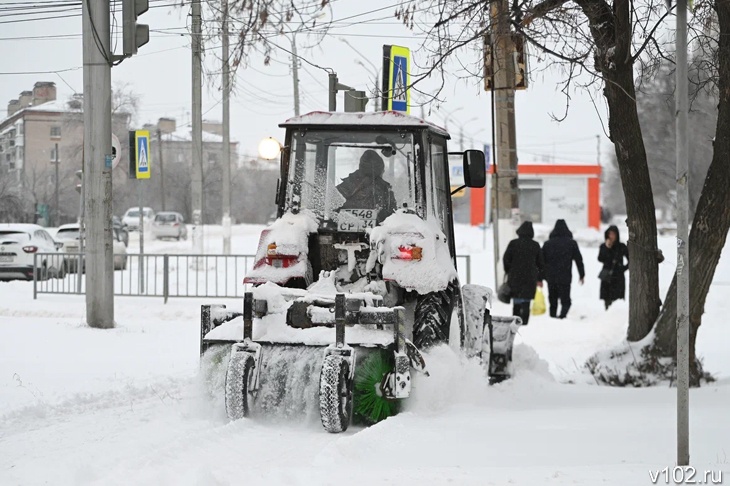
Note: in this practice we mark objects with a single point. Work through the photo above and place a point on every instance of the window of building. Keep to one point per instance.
(55, 132)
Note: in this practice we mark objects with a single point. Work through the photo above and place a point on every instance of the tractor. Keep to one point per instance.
(356, 276)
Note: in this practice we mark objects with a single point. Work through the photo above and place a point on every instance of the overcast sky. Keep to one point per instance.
(263, 96)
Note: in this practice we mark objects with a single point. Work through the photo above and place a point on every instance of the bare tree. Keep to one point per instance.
(594, 43)
(711, 221)
(11, 201)
(620, 38)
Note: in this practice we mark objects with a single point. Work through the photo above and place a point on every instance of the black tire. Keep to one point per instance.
(335, 394)
(42, 273)
(61, 272)
(433, 317)
(238, 380)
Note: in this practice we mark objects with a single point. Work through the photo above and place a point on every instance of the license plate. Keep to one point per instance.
(6, 259)
(357, 220)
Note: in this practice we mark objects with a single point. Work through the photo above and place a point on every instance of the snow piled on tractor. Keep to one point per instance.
(405, 231)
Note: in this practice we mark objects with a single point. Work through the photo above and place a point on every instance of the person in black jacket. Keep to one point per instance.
(523, 265)
(560, 251)
(612, 254)
(366, 189)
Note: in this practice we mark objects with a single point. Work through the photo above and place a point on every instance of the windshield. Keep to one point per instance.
(165, 218)
(133, 214)
(68, 234)
(16, 236)
(352, 180)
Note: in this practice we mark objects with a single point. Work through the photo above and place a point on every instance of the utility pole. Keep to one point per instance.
(505, 183)
(58, 208)
(683, 264)
(333, 92)
(226, 158)
(295, 73)
(162, 172)
(197, 129)
(97, 183)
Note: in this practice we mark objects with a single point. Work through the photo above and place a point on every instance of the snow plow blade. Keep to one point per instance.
(311, 361)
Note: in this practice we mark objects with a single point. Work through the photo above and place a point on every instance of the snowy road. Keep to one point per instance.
(126, 406)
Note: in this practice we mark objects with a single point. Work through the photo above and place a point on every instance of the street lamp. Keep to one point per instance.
(449, 115)
(377, 71)
(269, 148)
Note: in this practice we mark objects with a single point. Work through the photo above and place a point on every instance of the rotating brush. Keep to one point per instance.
(370, 404)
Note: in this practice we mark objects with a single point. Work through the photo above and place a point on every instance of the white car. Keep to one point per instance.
(68, 235)
(169, 225)
(18, 245)
(131, 218)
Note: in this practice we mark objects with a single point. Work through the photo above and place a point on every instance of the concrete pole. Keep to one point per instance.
(333, 92)
(295, 74)
(226, 156)
(58, 208)
(683, 268)
(197, 130)
(162, 171)
(506, 188)
(141, 235)
(97, 174)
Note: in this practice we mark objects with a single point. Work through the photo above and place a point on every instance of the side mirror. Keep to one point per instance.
(475, 171)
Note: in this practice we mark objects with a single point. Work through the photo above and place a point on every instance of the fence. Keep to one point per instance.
(166, 276)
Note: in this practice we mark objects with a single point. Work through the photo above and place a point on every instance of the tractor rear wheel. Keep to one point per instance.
(238, 382)
(433, 317)
(335, 394)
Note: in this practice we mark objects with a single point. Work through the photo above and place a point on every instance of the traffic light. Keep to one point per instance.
(135, 35)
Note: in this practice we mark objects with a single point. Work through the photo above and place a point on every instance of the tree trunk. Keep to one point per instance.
(712, 217)
(612, 31)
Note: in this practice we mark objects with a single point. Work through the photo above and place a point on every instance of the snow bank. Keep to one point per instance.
(432, 273)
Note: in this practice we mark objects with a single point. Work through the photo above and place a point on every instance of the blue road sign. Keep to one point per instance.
(142, 156)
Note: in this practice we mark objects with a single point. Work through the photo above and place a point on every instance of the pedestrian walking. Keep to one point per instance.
(523, 265)
(612, 254)
(560, 251)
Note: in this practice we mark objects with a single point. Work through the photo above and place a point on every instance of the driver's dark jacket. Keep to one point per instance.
(362, 191)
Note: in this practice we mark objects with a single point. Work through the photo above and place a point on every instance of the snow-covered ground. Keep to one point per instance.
(126, 406)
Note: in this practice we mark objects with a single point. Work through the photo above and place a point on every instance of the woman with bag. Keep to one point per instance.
(523, 265)
(612, 254)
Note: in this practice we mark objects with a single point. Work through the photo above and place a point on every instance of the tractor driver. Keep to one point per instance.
(366, 189)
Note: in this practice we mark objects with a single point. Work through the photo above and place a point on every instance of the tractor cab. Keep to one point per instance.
(356, 276)
(352, 171)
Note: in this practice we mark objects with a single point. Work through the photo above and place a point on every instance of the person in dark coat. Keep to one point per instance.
(366, 189)
(523, 264)
(560, 251)
(612, 254)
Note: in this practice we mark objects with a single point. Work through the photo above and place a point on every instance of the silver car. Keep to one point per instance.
(169, 225)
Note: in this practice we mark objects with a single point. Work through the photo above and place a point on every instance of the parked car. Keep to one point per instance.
(18, 245)
(68, 235)
(169, 225)
(131, 218)
(122, 228)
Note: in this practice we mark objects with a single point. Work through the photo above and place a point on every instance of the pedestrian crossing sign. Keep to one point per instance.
(140, 152)
(397, 78)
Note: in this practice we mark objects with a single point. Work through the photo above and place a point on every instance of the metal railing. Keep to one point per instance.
(166, 276)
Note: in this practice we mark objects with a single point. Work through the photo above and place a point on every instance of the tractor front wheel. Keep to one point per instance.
(335, 394)
(433, 317)
(238, 383)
